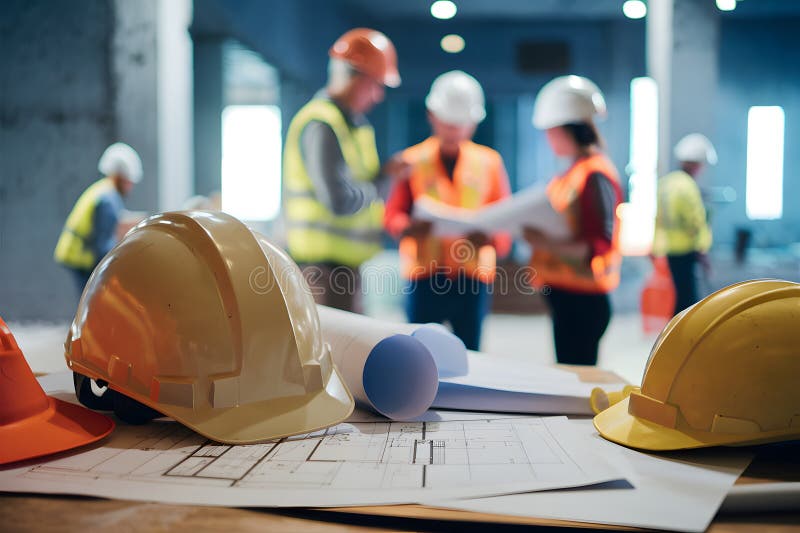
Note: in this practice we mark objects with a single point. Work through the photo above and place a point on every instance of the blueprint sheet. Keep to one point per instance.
(678, 491)
(357, 463)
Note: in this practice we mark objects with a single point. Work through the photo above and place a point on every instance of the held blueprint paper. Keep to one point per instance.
(357, 463)
(527, 208)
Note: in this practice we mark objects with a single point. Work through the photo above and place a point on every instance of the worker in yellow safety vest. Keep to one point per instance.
(90, 230)
(576, 274)
(332, 208)
(682, 233)
(449, 278)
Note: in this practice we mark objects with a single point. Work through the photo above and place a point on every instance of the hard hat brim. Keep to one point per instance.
(61, 427)
(617, 425)
(268, 420)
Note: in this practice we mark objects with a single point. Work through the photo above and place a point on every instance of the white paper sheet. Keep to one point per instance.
(678, 491)
(356, 463)
(529, 207)
(393, 368)
(501, 384)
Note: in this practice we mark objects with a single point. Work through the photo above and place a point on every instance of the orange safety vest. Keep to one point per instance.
(479, 178)
(600, 274)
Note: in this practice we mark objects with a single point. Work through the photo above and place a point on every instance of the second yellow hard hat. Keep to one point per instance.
(723, 372)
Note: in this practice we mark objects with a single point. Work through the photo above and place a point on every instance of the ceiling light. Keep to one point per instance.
(636, 9)
(452, 43)
(443, 9)
(726, 5)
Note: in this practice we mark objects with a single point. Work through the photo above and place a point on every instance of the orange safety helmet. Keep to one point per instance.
(196, 317)
(369, 52)
(33, 424)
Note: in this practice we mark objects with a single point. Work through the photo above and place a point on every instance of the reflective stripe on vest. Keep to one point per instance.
(71, 249)
(600, 274)
(313, 232)
(470, 188)
(681, 224)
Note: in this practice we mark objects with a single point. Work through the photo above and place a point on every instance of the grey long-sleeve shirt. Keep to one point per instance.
(334, 184)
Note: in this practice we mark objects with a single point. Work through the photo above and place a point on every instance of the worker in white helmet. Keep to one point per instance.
(682, 233)
(575, 275)
(90, 230)
(449, 278)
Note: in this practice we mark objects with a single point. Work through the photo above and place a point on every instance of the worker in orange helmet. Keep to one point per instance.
(332, 207)
(576, 274)
(450, 277)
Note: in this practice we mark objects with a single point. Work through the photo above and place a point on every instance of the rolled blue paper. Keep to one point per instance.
(400, 377)
(448, 351)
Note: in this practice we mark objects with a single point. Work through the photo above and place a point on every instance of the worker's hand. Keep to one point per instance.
(478, 239)
(418, 229)
(535, 238)
(396, 167)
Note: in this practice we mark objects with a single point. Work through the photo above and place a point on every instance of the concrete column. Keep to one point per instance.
(695, 68)
(134, 82)
(208, 103)
(682, 56)
(659, 67)
(175, 87)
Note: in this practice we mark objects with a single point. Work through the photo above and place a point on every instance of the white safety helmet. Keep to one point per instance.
(119, 158)
(456, 98)
(567, 100)
(695, 148)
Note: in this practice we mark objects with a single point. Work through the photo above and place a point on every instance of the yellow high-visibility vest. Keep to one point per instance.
(71, 249)
(313, 233)
(681, 224)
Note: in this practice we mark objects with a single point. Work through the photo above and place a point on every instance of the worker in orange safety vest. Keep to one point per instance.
(576, 275)
(449, 279)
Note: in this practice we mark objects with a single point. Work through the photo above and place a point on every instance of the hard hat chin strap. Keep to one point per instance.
(95, 394)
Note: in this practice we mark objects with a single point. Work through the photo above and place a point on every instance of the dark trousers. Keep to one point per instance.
(463, 302)
(334, 285)
(682, 268)
(579, 321)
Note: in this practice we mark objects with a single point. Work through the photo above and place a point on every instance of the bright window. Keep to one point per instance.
(765, 162)
(251, 161)
(638, 215)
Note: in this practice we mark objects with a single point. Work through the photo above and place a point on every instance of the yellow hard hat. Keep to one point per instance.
(196, 317)
(722, 372)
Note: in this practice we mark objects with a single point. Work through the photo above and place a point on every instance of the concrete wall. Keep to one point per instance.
(758, 66)
(57, 116)
(76, 77)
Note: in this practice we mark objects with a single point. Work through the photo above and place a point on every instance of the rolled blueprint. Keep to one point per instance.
(389, 367)
(528, 208)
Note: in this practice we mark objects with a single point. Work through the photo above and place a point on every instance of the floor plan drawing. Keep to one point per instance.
(373, 455)
(364, 461)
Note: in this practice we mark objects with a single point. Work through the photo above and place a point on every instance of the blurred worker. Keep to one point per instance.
(449, 279)
(576, 275)
(332, 207)
(682, 232)
(90, 230)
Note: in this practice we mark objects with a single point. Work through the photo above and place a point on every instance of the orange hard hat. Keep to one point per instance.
(33, 424)
(369, 52)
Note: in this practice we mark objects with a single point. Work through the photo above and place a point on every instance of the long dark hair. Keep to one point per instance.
(585, 135)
